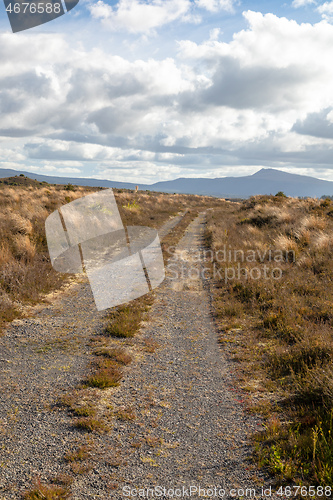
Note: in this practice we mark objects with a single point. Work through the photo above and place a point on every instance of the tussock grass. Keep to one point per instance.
(79, 403)
(124, 321)
(25, 269)
(46, 492)
(90, 424)
(126, 414)
(26, 273)
(106, 374)
(82, 453)
(280, 331)
(116, 353)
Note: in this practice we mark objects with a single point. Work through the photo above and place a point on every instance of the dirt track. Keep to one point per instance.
(190, 427)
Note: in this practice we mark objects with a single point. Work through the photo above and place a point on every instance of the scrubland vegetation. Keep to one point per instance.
(272, 299)
(278, 325)
(25, 270)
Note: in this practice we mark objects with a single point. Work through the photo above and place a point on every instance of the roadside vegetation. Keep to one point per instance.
(25, 270)
(271, 265)
(26, 274)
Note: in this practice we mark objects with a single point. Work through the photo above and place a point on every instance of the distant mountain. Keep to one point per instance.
(67, 180)
(265, 181)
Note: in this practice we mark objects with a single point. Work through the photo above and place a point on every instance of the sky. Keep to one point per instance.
(153, 90)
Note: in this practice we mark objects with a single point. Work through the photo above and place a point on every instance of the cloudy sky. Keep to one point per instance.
(150, 90)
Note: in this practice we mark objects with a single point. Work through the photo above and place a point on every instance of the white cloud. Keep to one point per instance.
(39, 50)
(302, 3)
(140, 171)
(49, 169)
(67, 170)
(215, 5)
(251, 101)
(63, 164)
(326, 10)
(138, 16)
(10, 164)
(270, 42)
(214, 34)
(9, 154)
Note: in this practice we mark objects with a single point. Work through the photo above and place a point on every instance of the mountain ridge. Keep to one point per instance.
(265, 181)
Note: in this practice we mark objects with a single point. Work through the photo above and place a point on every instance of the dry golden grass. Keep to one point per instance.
(25, 270)
(106, 374)
(90, 424)
(118, 354)
(81, 453)
(126, 414)
(279, 328)
(46, 492)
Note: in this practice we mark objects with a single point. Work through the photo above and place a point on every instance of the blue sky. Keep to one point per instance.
(150, 90)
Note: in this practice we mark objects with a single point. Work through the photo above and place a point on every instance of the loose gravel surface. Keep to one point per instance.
(40, 358)
(178, 420)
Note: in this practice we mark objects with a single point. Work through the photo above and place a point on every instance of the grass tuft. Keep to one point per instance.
(46, 492)
(90, 424)
(107, 374)
(115, 353)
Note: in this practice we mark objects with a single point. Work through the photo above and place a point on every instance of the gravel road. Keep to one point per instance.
(189, 425)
